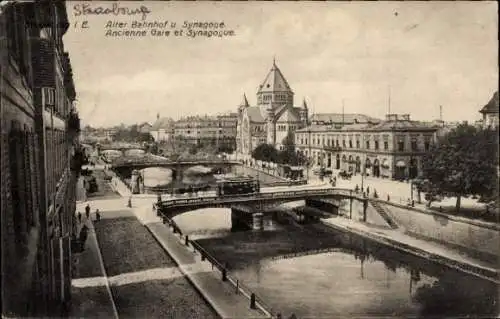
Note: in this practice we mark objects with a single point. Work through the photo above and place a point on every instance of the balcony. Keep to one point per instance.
(332, 148)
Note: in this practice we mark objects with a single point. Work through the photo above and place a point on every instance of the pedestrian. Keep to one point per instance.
(129, 204)
(83, 236)
(79, 217)
(368, 190)
(97, 215)
(388, 198)
(87, 211)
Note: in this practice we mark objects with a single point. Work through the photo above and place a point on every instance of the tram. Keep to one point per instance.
(231, 186)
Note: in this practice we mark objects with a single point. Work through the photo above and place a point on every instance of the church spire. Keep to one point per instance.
(304, 104)
(244, 101)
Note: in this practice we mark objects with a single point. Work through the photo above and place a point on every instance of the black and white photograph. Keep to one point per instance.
(249, 159)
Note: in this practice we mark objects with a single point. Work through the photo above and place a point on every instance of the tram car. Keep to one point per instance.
(237, 186)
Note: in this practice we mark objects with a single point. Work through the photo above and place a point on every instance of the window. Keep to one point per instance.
(306, 141)
(350, 143)
(401, 145)
(427, 144)
(414, 145)
(337, 143)
(343, 143)
(367, 145)
(386, 145)
(357, 144)
(376, 145)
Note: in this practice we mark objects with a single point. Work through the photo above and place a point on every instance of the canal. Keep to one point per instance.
(314, 271)
(163, 178)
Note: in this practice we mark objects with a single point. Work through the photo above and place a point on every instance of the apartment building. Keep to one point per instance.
(390, 149)
(39, 132)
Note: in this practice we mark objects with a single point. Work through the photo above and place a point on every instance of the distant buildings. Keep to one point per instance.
(163, 129)
(144, 127)
(272, 118)
(392, 148)
(218, 130)
(39, 162)
(490, 112)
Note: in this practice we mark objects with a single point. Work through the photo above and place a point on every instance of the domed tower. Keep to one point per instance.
(274, 90)
(304, 114)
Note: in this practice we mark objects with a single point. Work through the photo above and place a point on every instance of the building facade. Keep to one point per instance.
(163, 129)
(490, 112)
(390, 149)
(39, 133)
(218, 130)
(274, 116)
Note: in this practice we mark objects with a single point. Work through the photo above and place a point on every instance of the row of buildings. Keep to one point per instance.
(39, 126)
(387, 148)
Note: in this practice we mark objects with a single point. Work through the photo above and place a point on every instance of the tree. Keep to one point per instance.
(265, 152)
(289, 155)
(463, 162)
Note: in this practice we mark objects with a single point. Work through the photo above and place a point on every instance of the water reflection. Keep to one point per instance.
(158, 177)
(356, 277)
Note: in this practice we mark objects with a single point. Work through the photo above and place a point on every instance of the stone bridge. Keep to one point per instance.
(125, 166)
(121, 147)
(249, 209)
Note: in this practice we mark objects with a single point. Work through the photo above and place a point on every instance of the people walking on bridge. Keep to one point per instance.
(368, 190)
(79, 217)
(87, 211)
(97, 215)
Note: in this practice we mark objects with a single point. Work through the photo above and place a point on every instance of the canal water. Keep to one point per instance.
(313, 271)
(164, 177)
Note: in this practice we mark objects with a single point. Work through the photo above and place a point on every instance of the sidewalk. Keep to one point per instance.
(94, 299)
(421, 248)
(221, 295)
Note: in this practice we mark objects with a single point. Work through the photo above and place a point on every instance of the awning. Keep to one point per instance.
(400, 164)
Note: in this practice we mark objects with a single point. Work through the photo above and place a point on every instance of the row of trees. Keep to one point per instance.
(464, 162)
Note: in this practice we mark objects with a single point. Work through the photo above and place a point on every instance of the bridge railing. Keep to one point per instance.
(287, 183)
(261, 196)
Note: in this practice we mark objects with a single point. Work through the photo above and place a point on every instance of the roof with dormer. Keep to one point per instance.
(338, 118)
(492, 105)
(274, 81)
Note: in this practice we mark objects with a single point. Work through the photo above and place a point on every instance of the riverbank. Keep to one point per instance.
(430, 251)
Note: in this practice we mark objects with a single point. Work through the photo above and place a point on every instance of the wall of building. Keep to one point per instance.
(360, 149)
(36, 148)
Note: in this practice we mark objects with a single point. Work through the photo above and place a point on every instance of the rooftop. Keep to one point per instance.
(162, 123)
(492, 105)
(347, 118)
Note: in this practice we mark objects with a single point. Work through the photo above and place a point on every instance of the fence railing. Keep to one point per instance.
(260, 196)
(255, 300)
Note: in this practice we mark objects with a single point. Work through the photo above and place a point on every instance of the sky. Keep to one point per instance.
(420, 54)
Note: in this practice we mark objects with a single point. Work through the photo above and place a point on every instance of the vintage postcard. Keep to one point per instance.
(178, 159)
